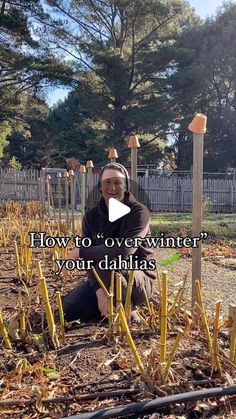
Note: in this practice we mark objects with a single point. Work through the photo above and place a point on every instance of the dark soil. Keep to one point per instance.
(88, 362)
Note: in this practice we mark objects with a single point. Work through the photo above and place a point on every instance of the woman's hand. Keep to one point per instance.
(102, 302)
(73, 254)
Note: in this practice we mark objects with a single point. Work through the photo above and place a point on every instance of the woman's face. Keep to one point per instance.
(113, 185)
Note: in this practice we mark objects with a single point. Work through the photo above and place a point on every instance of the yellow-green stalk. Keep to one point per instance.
(111, 308)
(163, 331)
(173, 309)
(180, 299)
(18, 268)
(142, 319)
(47, 306)
(28, 262)
(232, 347)
(133, 348)
(100, 282)
(172, 354)
(158, 282)
(147, 301)
(22, 318)
(204, 317)
(4, 333)
(55, 257)
(61, 315)
(118, 300)
(128, 295)
(215, 335)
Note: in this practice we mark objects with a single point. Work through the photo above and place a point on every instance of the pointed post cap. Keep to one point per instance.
(82, 169)
(112, 153)
(71, 172)
(89, 164)
(59, 174)
(198, 124)
(133, 142)
(66, 174)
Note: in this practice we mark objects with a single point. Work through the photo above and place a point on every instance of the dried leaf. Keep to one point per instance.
(122, 363)
(54, 375)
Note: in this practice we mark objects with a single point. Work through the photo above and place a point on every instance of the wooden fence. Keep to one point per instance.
(19, 185)
(159, 192)
(175, 193)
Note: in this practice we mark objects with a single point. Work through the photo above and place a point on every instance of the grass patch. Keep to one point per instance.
(218, 226)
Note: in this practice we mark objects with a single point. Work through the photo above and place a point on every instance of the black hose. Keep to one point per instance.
(153, 405)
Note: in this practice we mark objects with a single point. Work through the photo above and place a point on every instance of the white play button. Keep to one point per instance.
(117, 210)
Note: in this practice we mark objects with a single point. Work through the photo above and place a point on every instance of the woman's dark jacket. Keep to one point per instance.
(134, 224)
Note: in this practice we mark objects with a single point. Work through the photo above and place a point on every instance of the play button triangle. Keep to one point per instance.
(116, 209)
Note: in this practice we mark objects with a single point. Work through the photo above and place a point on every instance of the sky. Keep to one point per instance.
(203, 8)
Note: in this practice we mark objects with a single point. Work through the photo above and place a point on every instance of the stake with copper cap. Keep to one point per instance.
(89, 167)
(112, 155)
(134, 145)
(198, 128)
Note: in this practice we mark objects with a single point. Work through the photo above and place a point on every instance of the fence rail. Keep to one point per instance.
(159, 192)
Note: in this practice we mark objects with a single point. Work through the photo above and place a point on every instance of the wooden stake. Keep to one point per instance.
(198, 128)
(134, 145)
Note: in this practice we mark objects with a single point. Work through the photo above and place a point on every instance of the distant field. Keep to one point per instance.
(219, 226)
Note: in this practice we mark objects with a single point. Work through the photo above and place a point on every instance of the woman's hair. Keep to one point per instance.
(120, 168)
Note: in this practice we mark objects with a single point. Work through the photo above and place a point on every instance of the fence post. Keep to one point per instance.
(82, 171)
(43, 181)
(66, 177)
(72, 199)
(231, 191)
(89, 167)
(181, 197)
(59, 194)
(48, 178)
